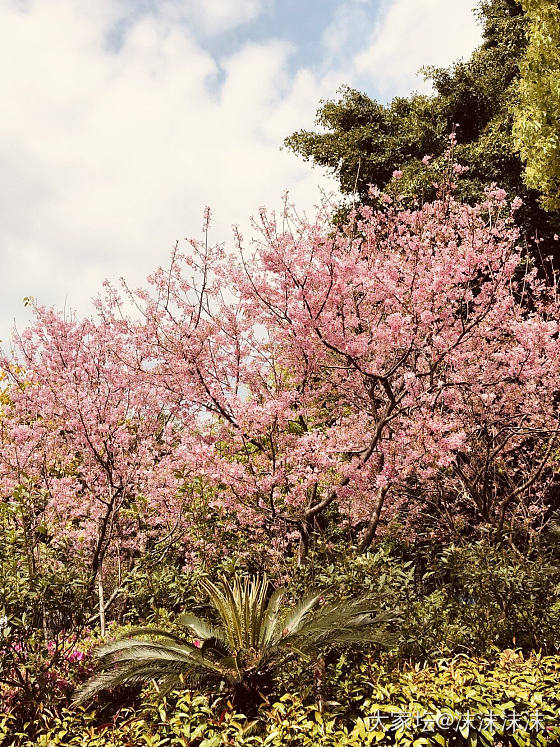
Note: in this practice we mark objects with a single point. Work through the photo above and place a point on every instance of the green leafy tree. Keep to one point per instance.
(536, 127)
(250, 636)
(362, 141)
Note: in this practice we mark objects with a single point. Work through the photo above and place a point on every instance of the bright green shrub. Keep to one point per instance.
(536, 129)
(451, 689)
(447, 689)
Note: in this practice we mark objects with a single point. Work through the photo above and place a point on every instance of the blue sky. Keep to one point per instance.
(122, 119)
(303, 24)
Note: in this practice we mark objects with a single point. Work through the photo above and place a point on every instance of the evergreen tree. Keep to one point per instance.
(363, 141)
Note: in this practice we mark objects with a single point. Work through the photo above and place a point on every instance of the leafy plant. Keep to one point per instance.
(362, 141)
(42, 595)
(536, 130)
(458, 702)
(251, 636)
(468, 599)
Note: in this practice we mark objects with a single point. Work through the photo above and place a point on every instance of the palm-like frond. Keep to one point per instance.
(241, 607)
(272, 619)
(197, 626)
(252, 635)
(338, 625)
(297, 618)
(137, 661)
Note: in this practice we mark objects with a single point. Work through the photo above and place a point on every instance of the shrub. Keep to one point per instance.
(445, 692)
(469, 600)
(250, 635)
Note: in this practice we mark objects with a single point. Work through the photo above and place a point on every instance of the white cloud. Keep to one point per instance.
(349, 25)
(211, 16)
(217, 15)
(107, 157)
(414, 33)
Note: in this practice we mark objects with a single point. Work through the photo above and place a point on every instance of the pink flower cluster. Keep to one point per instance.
(371, 366)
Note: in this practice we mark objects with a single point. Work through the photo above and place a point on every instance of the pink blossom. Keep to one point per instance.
(310, 367)
(498, 194)
(76, 656)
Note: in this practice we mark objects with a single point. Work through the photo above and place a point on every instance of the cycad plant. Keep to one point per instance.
(250, 637)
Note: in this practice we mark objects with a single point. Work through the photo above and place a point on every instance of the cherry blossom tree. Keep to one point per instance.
(82, 443)
(399, 367)
(402, 359)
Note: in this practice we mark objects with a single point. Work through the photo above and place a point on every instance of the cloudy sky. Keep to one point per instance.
(122, 119)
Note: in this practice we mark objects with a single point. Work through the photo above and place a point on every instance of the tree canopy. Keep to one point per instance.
(537, 117)
(383, 370)
(364, 141)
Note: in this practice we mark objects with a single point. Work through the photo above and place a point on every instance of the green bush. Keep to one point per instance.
(155, 587)
(470, 600)
(371, 710)
(494, 597)
(43, 612)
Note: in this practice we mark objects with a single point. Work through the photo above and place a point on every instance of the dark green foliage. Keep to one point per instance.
(501, 598)
(363, 141)
(472, 96)
(158, 587)
(43, 607)
(473, 599)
